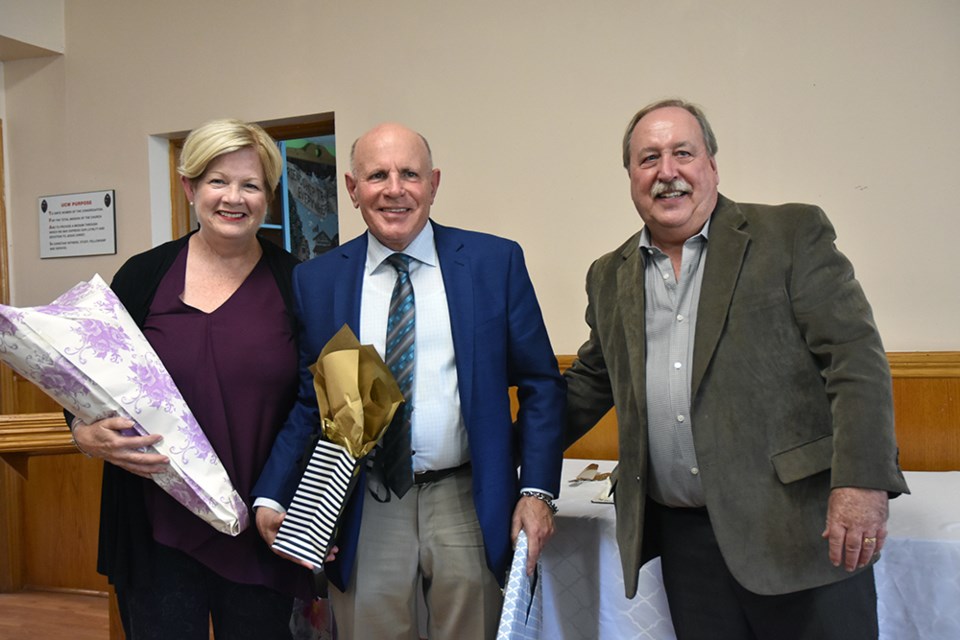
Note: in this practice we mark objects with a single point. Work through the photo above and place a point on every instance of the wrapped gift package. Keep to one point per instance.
(85, 351)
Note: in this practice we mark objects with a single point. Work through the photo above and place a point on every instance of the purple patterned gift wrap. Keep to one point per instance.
(85, 351)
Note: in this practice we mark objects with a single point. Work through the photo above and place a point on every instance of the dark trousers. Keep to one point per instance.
(707, 603)
(184, 596)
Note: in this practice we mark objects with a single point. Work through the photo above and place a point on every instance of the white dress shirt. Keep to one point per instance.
(438, 436)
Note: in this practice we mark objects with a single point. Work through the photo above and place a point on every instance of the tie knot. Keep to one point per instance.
(400, 262)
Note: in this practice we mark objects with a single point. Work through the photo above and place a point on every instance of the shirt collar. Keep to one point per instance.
(422, 249)
(645, 242)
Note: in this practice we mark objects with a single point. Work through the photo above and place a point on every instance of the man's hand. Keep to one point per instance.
(268, 524)
(105, 439)
(856, 525)
(533, 516)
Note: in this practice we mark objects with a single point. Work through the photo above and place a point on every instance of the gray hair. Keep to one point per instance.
(709, 139)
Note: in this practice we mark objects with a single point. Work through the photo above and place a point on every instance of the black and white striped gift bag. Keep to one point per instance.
(307, 530)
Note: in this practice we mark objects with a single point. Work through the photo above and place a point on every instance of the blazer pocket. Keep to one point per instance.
(804, 460)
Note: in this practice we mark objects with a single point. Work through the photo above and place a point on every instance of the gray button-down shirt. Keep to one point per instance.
(671, 312)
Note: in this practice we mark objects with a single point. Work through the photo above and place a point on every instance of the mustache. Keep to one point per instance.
(660, 187)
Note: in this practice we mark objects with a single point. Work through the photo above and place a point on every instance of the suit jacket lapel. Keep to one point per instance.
(348, 284)
(726, 249)
(455, 266)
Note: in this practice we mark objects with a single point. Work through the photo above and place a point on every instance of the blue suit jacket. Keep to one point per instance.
(500, 341)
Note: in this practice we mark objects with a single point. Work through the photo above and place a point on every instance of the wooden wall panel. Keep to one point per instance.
(600, 443)
(926, 390)
(61, 519)
(928, 423)
(49, 496)
(11, 529)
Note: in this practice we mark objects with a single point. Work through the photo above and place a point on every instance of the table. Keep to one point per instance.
(918, 578)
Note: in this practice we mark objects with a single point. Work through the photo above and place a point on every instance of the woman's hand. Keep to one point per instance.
(104, 439)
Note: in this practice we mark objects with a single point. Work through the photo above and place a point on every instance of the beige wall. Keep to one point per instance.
(30, 28)
(850, 105)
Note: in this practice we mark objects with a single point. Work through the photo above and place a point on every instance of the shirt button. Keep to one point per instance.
(680, 318)
(666, 276)
(695, 471)
(680, 418)
(677, 365)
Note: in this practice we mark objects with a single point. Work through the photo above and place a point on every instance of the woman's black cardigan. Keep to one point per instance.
(124, 552)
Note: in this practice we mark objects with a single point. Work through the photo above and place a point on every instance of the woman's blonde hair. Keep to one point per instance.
(218, 137)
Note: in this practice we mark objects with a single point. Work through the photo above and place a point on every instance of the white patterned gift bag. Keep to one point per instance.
(85, 351)
(522, 599)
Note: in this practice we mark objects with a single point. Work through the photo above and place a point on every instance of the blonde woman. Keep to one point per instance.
(216, 306)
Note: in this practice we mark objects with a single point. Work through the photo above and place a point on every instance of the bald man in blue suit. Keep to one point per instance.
(453, 529)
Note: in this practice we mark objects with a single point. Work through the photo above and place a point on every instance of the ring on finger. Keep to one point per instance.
(870, 540)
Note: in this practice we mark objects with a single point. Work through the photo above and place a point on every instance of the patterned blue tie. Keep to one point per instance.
(400, 357)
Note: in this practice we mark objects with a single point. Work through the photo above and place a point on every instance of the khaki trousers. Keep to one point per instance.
(430, 537)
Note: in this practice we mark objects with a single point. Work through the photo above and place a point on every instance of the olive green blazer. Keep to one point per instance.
(791, 392)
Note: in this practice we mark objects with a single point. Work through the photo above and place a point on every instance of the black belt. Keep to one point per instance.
(423, 477)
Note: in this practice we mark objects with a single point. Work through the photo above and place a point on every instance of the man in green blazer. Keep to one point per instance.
(753, 399)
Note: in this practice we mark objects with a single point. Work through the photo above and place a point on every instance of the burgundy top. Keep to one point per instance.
(237, 369)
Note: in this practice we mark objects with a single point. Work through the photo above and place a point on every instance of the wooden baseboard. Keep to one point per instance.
(67, 591)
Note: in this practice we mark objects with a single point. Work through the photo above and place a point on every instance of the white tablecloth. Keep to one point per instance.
(918, 577)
